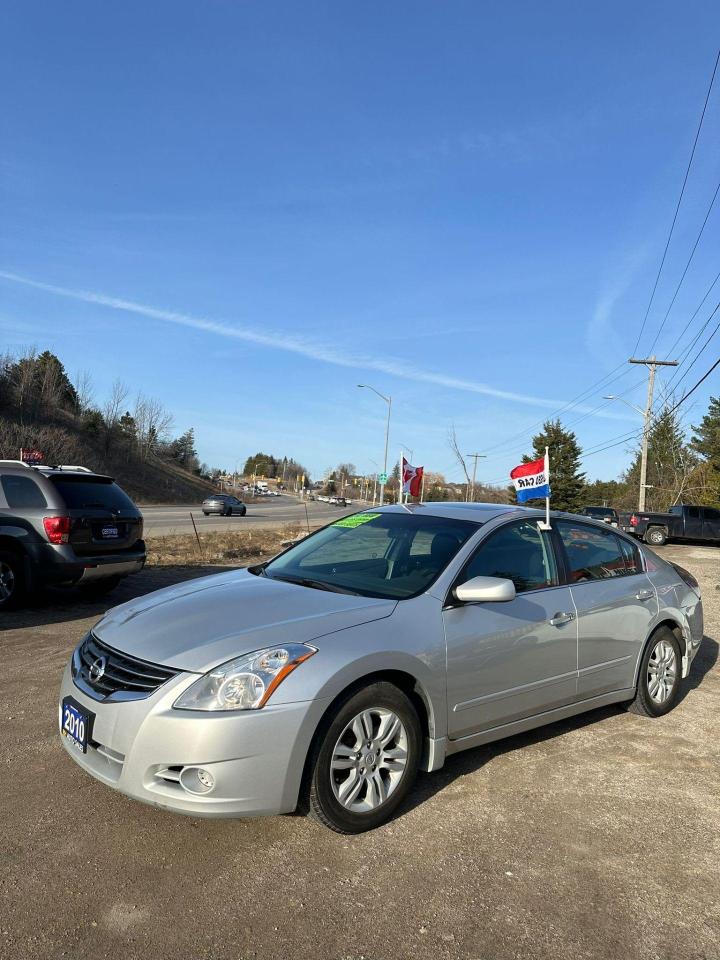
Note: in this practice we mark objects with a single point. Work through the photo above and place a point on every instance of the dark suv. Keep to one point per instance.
(64, 525)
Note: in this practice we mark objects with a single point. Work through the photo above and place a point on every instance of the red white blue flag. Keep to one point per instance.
(411, 479)
(532, 480)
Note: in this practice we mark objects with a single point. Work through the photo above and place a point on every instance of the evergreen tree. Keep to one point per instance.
(670, 463)
(567, 482)
(706, 442)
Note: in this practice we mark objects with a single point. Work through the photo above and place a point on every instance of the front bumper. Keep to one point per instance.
(141, 747)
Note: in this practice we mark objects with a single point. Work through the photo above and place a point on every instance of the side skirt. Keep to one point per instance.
(437, 750)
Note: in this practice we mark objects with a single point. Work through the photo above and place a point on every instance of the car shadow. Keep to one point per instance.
(462, 764)
(63, 604)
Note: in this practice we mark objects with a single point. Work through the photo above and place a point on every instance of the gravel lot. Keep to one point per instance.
(595, 837)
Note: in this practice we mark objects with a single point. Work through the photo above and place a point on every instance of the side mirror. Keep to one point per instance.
(485, 590)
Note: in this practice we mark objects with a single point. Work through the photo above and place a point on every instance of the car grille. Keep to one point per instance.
(110, 675)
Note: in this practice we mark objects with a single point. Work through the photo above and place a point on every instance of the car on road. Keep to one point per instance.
(223, 505)
(606, 514)
(325, 678)
(681, 522)
(64, 526)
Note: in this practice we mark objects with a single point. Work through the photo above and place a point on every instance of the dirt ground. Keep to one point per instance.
(597, 837)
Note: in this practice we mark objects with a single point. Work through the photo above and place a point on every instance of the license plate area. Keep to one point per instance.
(76, 724)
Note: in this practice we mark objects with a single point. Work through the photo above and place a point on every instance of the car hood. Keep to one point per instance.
(196, 625)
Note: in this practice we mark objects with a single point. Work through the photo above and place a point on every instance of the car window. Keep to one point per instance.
(23, 492)
(391, 555)
(693, 513)
(631, 556)
(592, 554)
(80, 494)
(675, 511)
(519, 552)
(712, 514)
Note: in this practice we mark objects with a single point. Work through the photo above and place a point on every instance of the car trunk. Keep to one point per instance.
(104, 518)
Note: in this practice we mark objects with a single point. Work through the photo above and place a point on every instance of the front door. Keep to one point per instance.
(615, 602)
(506, 661)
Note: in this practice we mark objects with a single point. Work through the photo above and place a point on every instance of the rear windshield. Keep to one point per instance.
(389, 555)
(599, 512)
(79, 494)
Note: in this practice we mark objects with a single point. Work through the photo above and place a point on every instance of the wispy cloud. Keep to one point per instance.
(301, 346)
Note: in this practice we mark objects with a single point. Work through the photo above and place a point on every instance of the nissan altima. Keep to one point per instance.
(324, 679)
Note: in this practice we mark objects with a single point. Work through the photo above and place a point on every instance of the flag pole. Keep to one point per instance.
(422, 487)
(547, 480)
(400, 477)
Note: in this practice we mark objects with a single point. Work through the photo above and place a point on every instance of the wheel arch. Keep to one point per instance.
(675, 627)
(404, 680)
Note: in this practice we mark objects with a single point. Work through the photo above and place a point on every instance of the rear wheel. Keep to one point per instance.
(364, 760)
(12, 580)
(656, 536)
(659, 679)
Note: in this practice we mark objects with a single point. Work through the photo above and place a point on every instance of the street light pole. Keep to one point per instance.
(388, 401)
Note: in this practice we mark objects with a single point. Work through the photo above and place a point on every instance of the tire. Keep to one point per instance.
(98, 588)
(12, 580)
(384, 708)
(244, 511)
(655, 536)
(659, 678)
(227, 512)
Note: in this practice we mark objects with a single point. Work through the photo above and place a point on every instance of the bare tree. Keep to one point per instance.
(112, 408)
(85, 390)
(152, 422)
(455, 447)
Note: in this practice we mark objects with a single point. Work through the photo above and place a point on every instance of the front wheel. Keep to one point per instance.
(364, 760)
(656, 536)
(659, 679)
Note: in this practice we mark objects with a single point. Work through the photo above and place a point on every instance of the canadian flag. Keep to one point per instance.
(412, 479)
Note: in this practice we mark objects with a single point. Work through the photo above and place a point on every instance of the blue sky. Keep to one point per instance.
(245, 209)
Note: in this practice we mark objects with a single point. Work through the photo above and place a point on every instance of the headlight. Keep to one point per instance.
(245, 683)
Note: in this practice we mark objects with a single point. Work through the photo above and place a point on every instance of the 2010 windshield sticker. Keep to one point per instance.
(356, 520)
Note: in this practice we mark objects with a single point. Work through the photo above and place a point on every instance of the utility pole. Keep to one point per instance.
(474, 457)
(652, 364)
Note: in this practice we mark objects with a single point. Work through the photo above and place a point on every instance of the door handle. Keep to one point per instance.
(560, 618)
(644, 595)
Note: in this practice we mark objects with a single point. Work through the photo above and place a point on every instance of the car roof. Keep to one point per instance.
(481, 512)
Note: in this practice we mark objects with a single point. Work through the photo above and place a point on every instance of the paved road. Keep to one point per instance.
(596, 838)
(273, 512)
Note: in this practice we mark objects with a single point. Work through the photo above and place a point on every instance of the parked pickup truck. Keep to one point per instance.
(682, 522)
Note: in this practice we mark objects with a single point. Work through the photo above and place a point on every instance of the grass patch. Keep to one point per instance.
(233, 549)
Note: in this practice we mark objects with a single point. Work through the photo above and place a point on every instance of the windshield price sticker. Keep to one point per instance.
(356, 520)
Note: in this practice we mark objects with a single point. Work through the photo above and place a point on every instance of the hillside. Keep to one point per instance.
(41, 409)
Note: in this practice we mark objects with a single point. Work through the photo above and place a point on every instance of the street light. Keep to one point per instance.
(388, 401)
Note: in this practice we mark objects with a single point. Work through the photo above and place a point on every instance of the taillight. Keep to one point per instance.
(57, 529)
(633, 521)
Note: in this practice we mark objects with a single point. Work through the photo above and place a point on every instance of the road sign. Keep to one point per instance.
(382, 478)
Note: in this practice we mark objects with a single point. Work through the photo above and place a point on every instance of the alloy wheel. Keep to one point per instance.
(662, 671)
(369, 760)
(7, 581)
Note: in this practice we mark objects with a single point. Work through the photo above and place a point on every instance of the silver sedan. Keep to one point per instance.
(326, 678)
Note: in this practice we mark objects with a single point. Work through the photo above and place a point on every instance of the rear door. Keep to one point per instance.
(615, 603)
(711, 523)
(105, 520)
(506, 661)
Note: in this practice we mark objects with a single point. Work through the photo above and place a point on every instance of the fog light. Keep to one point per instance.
(197, 780)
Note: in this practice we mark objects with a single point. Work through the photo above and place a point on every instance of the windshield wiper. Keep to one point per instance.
(314, 584)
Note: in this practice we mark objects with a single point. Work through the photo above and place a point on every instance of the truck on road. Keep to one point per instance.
(681, 522)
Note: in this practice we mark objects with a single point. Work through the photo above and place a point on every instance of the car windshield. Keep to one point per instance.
(389, 555)
(599, 511)
(79, 493)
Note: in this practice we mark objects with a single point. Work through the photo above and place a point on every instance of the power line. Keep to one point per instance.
(704, 346)
(692, 390)
(687, 325)
(687, 267)
(677, 208)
